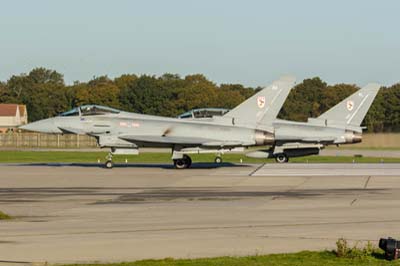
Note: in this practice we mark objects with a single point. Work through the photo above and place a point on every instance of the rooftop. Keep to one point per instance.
(10, 109)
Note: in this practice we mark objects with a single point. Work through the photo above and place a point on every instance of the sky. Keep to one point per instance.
(249, 42)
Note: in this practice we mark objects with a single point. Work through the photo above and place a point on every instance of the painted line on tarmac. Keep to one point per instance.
(321, 174)
(258, 168)
(366, 182)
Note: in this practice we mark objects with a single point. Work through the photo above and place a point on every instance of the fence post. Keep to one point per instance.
(77, 141)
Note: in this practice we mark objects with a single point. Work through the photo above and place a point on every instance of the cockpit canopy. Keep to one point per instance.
(204, 113)
(86, 110)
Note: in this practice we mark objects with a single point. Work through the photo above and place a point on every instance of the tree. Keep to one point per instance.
(332, 95)
(391, 103)
(375, 118)
(231, 95)
(124, 81)
(145, 95)
(42, 91)
(44, 76)
(100, 90)
(5, 94)
(303, 100)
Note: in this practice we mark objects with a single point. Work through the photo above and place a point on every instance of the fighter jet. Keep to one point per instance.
(249, 124)
(339, 125)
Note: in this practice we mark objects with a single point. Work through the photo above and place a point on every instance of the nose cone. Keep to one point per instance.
(42, 126)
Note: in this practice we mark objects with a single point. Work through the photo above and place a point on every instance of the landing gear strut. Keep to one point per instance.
(281, 158)
(183, 163)
(109, 163)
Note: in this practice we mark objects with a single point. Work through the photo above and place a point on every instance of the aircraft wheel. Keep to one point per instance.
(183, 163)
(109, 164)
(218, 159)
(180, 164)
(281, 158)
(188, 160)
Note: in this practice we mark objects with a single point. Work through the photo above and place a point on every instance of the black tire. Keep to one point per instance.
(180, 164)
(281, 158)
(218, 159)
(109, 164)
(188, 160)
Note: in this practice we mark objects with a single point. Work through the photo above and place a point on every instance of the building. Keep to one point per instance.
(12, 116)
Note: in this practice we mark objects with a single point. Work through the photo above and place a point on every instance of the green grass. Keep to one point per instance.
(153, 157)
(4, 216)
(355, 147)
(305, 258)
(343, 159)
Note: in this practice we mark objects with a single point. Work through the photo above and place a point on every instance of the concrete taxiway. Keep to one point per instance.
(70, 213)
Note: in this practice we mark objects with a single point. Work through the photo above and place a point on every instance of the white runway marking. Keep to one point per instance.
(330, 169)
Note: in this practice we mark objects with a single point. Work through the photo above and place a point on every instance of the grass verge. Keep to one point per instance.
(159, 157)
(305, 258)
(366, 148)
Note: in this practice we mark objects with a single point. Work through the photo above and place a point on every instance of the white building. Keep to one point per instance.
(12, 116)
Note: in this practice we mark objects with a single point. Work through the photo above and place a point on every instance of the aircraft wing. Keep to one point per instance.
(192, 141)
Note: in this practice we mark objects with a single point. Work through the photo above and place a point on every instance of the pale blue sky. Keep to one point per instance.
(249, 42)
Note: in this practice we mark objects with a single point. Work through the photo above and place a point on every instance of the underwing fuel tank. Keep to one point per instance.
(262, 154)
(124, 151)
(290, 149)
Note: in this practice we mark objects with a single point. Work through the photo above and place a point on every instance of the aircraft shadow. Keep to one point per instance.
(134, 165)
(131, 195)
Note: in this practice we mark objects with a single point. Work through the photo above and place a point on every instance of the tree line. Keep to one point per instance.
(45, 94)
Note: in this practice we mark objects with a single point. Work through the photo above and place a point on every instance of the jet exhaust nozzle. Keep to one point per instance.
(353, 137)
(264, 138)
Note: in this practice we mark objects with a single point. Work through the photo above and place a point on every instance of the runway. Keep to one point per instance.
(82, 213)
(333, 169)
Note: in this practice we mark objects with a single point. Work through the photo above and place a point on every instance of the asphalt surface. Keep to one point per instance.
(82, 213)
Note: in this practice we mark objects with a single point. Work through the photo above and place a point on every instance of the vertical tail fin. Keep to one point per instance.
(264, 106)
(353, 109)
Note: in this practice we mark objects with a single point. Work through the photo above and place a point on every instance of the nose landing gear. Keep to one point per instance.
(218, 160)
(109, 163)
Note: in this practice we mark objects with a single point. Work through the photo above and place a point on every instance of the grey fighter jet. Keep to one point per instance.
(339, 125)
(249, 124)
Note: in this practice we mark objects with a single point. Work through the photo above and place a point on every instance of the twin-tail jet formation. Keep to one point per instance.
(252, 123)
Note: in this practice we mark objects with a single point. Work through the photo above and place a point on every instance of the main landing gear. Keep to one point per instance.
(184, 162)
(281, 158)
